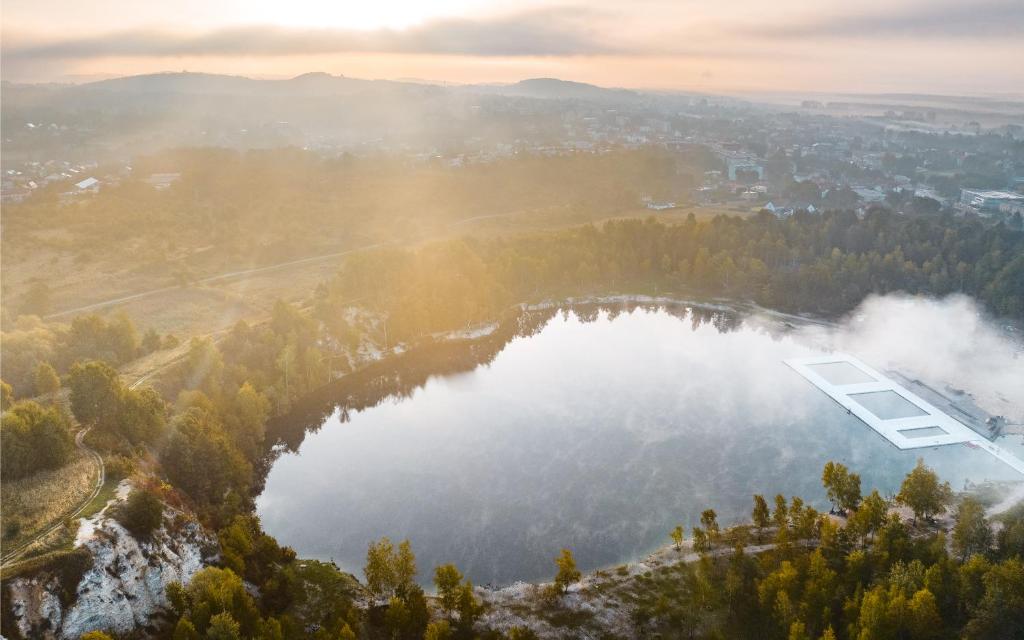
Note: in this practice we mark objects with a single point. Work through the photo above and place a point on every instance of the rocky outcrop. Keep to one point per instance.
(125, 586)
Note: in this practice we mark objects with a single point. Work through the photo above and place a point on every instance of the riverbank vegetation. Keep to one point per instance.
(806, 575)
(809, 263)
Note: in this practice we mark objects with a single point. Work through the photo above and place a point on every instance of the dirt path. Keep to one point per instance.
(13, 554)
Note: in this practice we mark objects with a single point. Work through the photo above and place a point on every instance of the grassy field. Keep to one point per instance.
(190, 308)
(107, 493)
(31, 504)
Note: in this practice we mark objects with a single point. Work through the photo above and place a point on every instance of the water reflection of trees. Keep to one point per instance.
(400, 375)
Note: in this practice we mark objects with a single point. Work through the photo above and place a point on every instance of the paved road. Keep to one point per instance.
(17, 552)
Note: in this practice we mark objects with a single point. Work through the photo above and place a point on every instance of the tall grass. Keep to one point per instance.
(30, 504)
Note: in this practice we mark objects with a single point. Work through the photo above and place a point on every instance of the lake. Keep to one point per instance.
(598, 430)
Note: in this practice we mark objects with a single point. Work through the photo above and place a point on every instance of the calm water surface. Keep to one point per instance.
(599, 436)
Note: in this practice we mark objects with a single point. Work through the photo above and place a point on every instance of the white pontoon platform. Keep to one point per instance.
(898, 415)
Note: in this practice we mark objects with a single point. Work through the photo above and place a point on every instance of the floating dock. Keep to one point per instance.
(903, 418)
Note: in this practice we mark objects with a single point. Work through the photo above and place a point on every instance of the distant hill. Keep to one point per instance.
(185, 83)
(555, 89)
(123, 117)
(320, 83)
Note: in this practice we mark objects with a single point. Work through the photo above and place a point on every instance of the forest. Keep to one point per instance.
(824, 264)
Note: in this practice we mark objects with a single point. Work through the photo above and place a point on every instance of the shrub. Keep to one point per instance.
(34, 438)
(141, 514)
(118, 466)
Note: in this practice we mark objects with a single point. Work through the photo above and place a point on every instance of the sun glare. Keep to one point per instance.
(385, 14)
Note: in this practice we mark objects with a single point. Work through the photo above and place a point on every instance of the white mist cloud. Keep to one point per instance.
(951, 341)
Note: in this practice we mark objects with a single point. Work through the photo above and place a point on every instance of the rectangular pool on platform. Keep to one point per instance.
(901, 417)
(898, 415)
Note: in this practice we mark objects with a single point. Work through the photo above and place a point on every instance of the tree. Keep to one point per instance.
(709, 522)
(204, 367)
(871, 515)
(90, 337)
(99, 399)
(246, 423)
(971, 533)
(1000, 610)
(389, 572)
(447, 579)
(469, 608)
(214, 591)
(33, 438)
(185, 630)
(405, 567)
(223, 627)
(346, 633)
(200, 459)
(141, 415)
(95, 393)
(760, 515)
(701, 542)
(567, 571)
(141, 514)
(440, 630)
(379, 569)
(798, 631)
(841, 486)
(924, 619)
(46, 380)
(150, 341)
(923, 205)
(419, 612)
(396, 618)
(677, 537)
(922, 492)
(780, 517)
(6, 396)
(178, 597)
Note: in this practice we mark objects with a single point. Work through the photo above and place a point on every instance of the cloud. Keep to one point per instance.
(554, 32)
(973, 19)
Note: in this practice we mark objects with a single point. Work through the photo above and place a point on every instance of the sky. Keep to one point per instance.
(871, 46)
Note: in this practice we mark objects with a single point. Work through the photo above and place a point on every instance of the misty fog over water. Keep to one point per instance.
(601, 436)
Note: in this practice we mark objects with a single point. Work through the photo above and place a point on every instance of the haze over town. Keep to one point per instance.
(493, 320)
(922, 46)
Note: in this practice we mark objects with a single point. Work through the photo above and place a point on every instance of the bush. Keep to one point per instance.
(141, 514)
(34, 438)
(12, 528)
(118, 467)
(46, 380)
